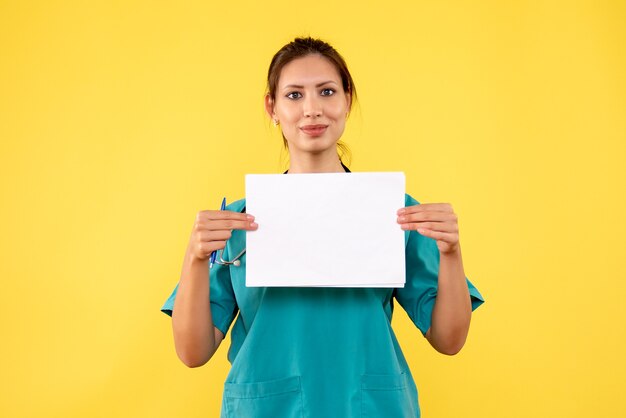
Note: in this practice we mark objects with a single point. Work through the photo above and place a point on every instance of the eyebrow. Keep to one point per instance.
(301, 87)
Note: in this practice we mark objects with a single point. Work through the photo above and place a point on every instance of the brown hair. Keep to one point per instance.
(301, 47)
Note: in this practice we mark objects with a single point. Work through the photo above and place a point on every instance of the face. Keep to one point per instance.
(311, 105)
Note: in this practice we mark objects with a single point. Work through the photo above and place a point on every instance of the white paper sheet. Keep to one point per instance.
(325, 229)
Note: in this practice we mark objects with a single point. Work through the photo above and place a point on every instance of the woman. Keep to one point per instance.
(317, 352)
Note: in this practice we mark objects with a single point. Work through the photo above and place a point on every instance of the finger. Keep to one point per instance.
(223, 214)
(206, 248)
(433, 226)
(203, 223)
(208, 236)
(216, 225)
(448, 237)
(428, 216)
(422, 207)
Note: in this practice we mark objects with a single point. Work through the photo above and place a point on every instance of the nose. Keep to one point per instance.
(312, 107)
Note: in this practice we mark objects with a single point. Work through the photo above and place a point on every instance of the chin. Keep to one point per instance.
(318, 145)
(312, 144)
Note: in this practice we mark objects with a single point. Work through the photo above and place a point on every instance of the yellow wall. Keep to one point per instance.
(120, 120)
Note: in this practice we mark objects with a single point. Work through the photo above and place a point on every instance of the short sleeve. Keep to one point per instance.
(223, 304)
(418, 295)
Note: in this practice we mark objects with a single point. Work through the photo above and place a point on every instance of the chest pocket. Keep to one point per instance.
(280, 398)
(388, 395)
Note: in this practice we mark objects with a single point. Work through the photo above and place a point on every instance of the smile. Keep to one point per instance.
(314, 130)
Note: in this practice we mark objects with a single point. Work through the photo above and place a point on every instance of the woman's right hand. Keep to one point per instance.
(213, 228)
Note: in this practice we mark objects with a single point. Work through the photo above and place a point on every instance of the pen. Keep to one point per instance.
(214, 253)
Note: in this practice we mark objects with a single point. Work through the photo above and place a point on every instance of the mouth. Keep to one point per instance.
(314, 130)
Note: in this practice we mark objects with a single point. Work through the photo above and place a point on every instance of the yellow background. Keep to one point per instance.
(120, 120)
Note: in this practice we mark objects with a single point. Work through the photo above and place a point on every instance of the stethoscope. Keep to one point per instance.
(235, 261)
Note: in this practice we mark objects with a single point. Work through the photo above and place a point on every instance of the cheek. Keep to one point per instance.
(337, 111)
(288, 114)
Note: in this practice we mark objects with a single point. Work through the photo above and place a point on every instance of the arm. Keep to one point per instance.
(453, 310)
(195, 337)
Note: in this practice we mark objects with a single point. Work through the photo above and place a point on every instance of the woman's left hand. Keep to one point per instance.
(434, 220)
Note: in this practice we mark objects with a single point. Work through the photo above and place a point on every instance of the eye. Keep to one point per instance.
(290, 95)
(329, 92)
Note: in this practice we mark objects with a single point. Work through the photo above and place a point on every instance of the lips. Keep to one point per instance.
(314, 130)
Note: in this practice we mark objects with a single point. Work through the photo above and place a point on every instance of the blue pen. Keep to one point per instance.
(214, 253)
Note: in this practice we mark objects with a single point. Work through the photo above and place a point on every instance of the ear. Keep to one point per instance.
(269, 106)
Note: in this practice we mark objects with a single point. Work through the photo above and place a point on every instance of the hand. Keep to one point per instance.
(433, 220)
(213, 228)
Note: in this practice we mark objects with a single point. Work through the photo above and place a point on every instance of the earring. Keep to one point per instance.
(276, 123)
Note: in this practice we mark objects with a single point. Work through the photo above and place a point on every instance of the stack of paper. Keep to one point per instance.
(325, 229)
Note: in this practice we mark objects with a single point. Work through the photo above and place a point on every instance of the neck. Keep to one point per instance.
(315, 163)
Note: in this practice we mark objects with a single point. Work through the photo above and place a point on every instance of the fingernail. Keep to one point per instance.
(250, 217)
(401, 211)
(254, 224)
(401, 218)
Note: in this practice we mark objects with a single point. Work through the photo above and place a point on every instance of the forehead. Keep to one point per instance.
(311, 69)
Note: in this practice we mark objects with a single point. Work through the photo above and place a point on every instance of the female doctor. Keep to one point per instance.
(317, 352)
